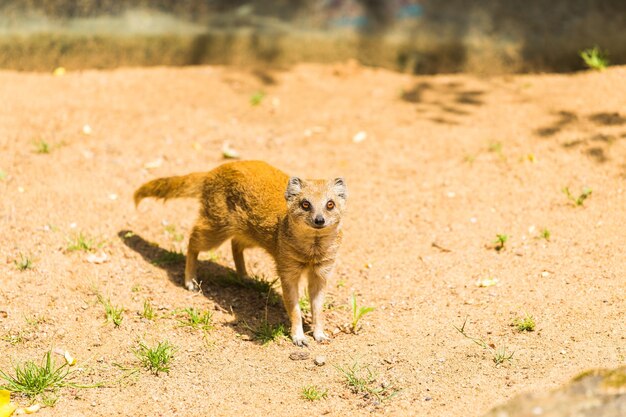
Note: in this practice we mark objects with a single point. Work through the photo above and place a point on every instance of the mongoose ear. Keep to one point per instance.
(294, 187)
(340, 187)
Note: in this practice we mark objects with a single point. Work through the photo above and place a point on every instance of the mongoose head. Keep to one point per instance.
(318, 204)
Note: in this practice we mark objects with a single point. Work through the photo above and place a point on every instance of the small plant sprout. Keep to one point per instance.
(525, 324)
(82, 242)
(24, 262)
(545, 234)
(157, 358)
(358, 313)
(197, 319)
(305, 306)
(580, 200)
(498, 355)
(500, 242)
(313, 393)
(495, 147)
(3, 175)
(257, 98)
(148, 311)
(42, 147)
(594, 58)
(176, 236)
(362, 380)
(112, 313)
(266, 332)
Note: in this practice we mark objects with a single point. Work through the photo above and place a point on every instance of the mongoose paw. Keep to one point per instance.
(300, 341)
(321, 337)
(192, 286)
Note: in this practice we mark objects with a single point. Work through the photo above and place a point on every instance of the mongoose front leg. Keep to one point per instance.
(289, 279)
(318, 276)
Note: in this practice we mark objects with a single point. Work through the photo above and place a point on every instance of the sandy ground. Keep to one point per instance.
(447, 163)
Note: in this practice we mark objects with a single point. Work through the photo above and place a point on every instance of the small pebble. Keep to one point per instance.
(359, 137)
(427, 398)
(320, 360)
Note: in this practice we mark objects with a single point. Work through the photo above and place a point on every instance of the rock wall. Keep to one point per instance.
(420, 36)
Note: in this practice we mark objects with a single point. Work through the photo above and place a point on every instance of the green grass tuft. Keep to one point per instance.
(266, 332)
(157, 358)
(113, 313)
(176, 236)
(82, 242)
(594, 58)
(500, 242)
(148, 311)
(257, 98)
(42, 147)
(313, 393)
(358, 313)
(196, 319)
(525, 324)
(580, 200)
(305, 305)
(32, 379)
(24, 262)
(362, 380)
(498, 355)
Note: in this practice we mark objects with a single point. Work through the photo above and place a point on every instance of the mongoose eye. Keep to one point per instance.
(330, 205)
(305, 205)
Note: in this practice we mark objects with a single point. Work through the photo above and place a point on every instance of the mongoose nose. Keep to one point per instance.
(319, 220)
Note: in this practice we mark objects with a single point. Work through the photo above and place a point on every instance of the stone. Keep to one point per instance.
(299, 355)
(595, 393)
(320, 360)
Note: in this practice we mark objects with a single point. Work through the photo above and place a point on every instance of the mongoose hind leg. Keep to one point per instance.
(202, 238)
(240, 263)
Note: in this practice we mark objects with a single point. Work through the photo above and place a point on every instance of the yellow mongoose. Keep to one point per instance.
(296, 221)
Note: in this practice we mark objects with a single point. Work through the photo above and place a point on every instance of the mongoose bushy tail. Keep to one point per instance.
(172, 187)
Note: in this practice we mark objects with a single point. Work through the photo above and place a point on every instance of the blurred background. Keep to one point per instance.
(414, 36)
